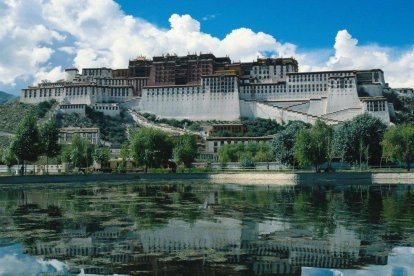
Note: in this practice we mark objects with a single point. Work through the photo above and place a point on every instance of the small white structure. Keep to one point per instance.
(73, 108)
(109, 109)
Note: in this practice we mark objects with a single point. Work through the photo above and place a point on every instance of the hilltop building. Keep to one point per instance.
(205, 87)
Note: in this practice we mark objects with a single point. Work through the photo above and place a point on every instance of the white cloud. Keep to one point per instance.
(348, 54)
(209, 17)
(38, 37)
(57, 73)
(14, 262)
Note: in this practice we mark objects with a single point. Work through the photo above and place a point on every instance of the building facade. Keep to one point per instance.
(91, 134)
(73, 108)
(205, 87)
(272, 88)
(109, 109)
(94, 85)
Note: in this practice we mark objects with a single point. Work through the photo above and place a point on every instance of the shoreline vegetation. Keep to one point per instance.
(234, 177)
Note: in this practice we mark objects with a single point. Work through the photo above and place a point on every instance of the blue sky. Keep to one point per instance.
(311, 24)
(40, 38)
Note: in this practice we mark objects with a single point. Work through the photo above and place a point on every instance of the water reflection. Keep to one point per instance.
(199, 229)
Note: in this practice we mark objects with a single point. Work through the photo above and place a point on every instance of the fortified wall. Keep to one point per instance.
(217, 98)
(205, 87)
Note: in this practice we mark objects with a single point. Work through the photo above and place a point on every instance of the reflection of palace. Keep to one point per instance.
(209, 243)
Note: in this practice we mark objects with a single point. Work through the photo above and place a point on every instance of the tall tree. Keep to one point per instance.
(8, 158)
(312, 145)
(263, 153)
(362, 133)
(81, 152)
(102, 156)
(125, 154)
(26, 144)
(185, 150)
(284, 140)
(49, 136)
(398, 144)
(151, 148)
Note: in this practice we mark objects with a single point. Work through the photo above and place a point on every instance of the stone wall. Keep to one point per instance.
(253, 109)
(194, 106)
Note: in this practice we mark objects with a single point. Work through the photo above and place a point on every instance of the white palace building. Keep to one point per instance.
(203, 87)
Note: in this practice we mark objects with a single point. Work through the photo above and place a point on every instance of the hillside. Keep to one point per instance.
(113, 129)
(13, 112)
(6, 97)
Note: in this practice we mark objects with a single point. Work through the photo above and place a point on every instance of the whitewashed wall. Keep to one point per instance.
(193, 106)
(36, 169)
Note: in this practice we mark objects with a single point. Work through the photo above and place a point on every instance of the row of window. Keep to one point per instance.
(315, 77)
(264, 88)
(113, 82)
(376, 106)
(105, 107)
(218, 80)
(96, 72)
(72, 91)
(72, 106)
(264, 69)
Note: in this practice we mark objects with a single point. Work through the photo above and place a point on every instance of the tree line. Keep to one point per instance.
(149, 148)
(362, 141)
(33, 141)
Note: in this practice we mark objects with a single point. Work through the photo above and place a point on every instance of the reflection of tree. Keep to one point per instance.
(398, 212)
(372, 206)
(147, 215)
(310, 209)
(31, 220)
(31, 216)
(375, 215)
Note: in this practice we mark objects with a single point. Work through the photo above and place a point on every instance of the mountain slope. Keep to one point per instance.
(6, 97)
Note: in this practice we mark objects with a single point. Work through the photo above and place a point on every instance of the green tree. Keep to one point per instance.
(246, 160)
(398, 144)
(230, 153)
(151, 148)
(125, 152)
(312, 145)
(260, 127)
(49, 136)
(263, 153)
(66, 153)
(8, 158)
(284, 140)
(185, 150)
(80, 152)
(362, 133)
(26, 144)
(102, 156)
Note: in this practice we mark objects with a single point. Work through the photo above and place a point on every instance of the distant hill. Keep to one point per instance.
(6, 97)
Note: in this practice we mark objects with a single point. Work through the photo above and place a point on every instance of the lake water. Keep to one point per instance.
(197, 228)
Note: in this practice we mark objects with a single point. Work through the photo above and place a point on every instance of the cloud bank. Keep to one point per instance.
(39, 38)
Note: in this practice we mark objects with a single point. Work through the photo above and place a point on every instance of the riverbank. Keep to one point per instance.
(245, 178)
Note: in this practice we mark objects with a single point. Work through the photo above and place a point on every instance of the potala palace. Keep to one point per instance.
(205, 87)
